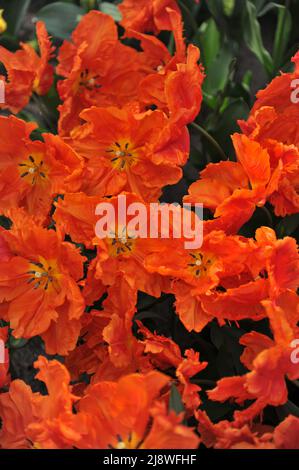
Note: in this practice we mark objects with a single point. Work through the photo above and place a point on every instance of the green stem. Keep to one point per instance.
(171, 44)
(211, 139)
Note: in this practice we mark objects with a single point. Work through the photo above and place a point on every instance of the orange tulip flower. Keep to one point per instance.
(92, 76)
(122, 414)
(275, 113)
(27, 72)
(147, 15)
(231, 435)
(32, 173)
(232, 190)
(39, 294)
(125, 151)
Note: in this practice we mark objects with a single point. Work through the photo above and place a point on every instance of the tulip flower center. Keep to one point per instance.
(44, 274)
(130, 442)
(122, 244)
(33, 170)
(122, 155)
(89, 80)
(199, 263)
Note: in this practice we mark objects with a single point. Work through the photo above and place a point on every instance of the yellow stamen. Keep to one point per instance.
(121, 244)
(122, 155)
(33, 170)
(44, 274)
(200, 263)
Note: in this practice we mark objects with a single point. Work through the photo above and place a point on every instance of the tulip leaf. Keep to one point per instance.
(17, 343)
(217, 74)
(111, 10)
(175, 400)
(282, 35)
(60, 18)
(227, 123)
(228, 7)
(253, 37)
(209, 40)
(216, 8)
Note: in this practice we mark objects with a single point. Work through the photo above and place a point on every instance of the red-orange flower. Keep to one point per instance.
(164, 354)
(30, 418)
(213, 280)
(273, 124)
(38, 290)
(175, 84)
(147, 15)
(92, 75)
(232, 190)
(32, 173)
(120, 253)
(231, 435)
(269, 361)
(124, 409)
(148, 77)
(275, 113)
(27, 72)
(109, 415)
(126, 151)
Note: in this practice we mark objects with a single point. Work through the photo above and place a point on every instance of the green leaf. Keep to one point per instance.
(17, 343)
(14, 13)
(267, 8)
(111, 10)
(253, 37)
(228, 7)
(217, 74)
(175, 400)
(227, 123)
(216, 8)
(282, 35)
(60, 18)
(208, 39)
(246, 81)
(259, 4)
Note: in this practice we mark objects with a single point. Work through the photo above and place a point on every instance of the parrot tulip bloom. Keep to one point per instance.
(147, 15)
(38, 289)
(32, 173)
(121, 414)
(126, 151)
(27, 72)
